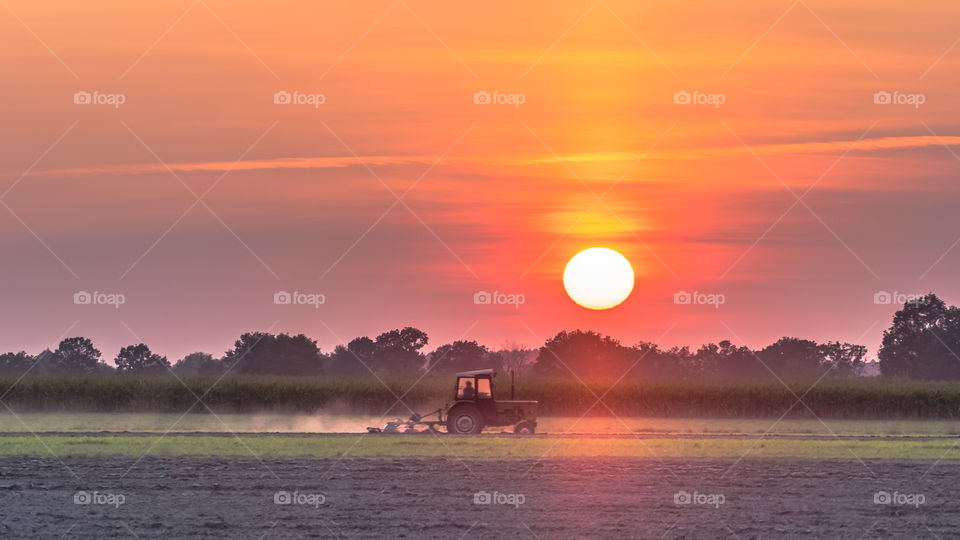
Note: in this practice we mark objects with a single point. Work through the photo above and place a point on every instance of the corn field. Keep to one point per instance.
(851, 398)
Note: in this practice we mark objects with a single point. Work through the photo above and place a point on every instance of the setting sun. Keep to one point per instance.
(598, 278)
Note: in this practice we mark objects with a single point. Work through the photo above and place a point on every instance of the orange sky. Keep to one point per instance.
(699, 197)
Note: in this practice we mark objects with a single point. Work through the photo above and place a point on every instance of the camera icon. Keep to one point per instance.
(82, 98)
(882, 98)
(81, 497)
(682, 497)
(882, 497)
(482, 497)
(82, 298)
(482, 98)
(682, 297)
(882, 298)
(282, 297)
(282, 497)
(682, 98)
(282, 98)
(482, 298)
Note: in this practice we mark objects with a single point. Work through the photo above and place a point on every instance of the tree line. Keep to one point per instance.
(920, 344)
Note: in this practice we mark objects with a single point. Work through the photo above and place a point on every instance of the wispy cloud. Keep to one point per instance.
(333, 162)
(813, 147)
(340, 162)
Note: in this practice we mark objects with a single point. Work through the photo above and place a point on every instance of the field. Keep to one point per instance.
(842, 398)
(274, 475)
(504, 447)
(137, 464)
(339, 423)
(275, 435)
(437, 498)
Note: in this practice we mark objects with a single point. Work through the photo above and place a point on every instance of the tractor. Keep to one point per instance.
(474, 407)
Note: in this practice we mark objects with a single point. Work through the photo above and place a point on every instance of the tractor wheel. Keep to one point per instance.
(525, 428)
(464, 420)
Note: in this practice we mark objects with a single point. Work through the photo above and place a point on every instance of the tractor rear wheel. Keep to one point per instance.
(525, 428)
(463, 420)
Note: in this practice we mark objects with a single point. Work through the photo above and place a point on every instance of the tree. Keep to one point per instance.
(75, 355)
(587, 354)
(844, 359)
(728, 361)
(398, 351)
(655, 363)
(793, 358)
(15, 363)
(192, 363)
(242, 348)
(104, 368)
(212, 368)
(515, 357)
(352, 359)
(282, 354)
(938, 358)
(920, 341)
(462, 356)
(139, 359)
(43, 363)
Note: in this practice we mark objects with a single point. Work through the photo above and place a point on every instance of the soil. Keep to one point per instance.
(435, 498)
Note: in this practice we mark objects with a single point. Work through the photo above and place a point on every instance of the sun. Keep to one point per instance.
(598, 278)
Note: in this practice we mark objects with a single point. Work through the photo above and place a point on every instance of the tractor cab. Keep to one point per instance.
(473, 385)
(477, 386)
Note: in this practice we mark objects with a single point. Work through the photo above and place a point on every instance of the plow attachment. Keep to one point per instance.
(416, 424)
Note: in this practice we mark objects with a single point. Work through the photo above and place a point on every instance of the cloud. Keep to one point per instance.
(327, 162)
(835, 147)
(810, 147)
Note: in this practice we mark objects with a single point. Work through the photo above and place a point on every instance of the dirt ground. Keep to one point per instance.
(438, 498)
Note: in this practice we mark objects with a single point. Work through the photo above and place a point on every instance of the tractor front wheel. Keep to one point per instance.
(525, 428)
(464, 420)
